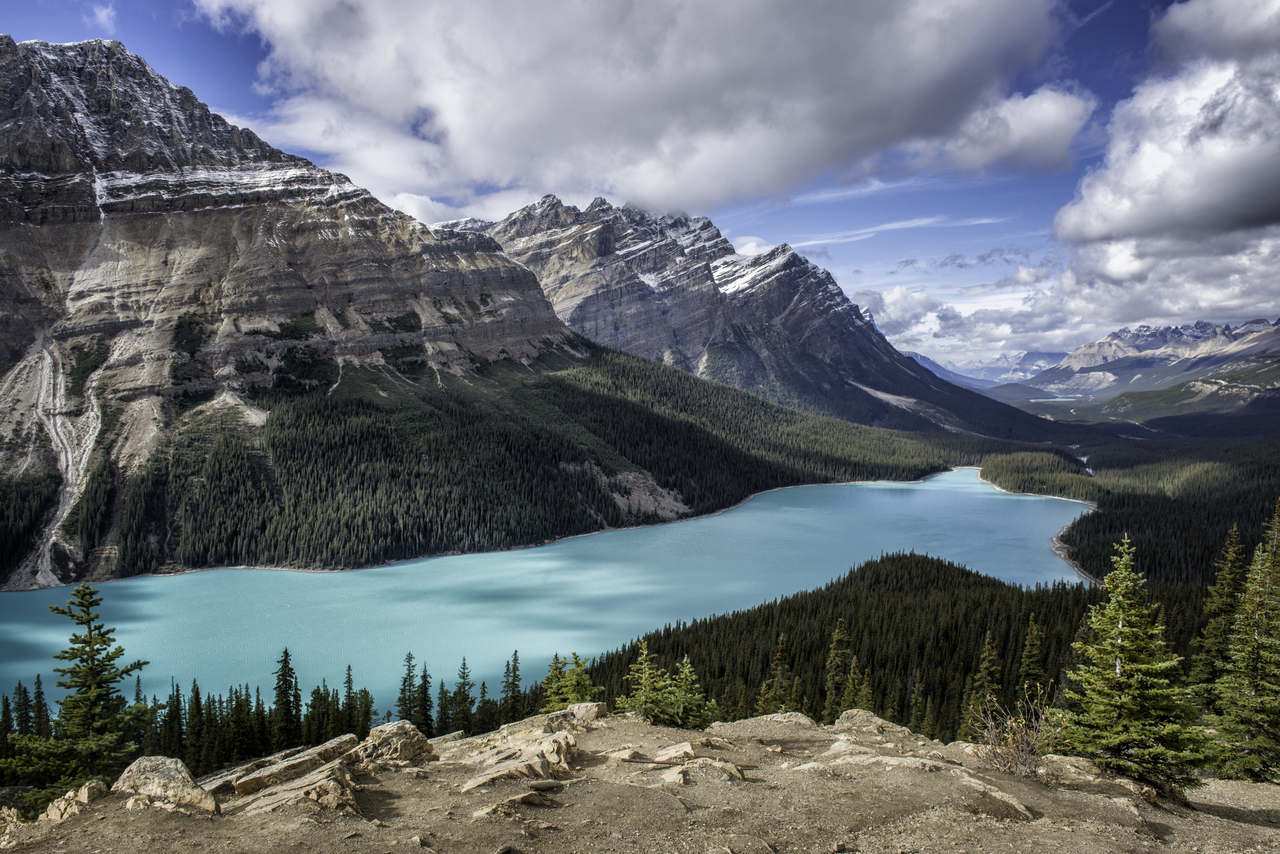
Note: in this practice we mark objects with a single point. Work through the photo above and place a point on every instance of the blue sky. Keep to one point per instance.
(985, 176)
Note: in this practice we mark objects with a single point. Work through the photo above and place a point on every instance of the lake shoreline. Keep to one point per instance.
(1058, 548)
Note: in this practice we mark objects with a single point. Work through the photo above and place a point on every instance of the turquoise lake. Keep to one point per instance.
(587, 594)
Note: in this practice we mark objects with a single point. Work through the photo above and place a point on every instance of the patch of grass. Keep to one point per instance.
(407, 322)
(87, 360)
(189, 334)
(189, 371)
(298, 329)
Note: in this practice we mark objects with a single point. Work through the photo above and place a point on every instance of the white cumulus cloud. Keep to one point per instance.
(669, 103)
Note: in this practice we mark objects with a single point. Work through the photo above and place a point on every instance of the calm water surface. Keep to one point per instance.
(588, 594)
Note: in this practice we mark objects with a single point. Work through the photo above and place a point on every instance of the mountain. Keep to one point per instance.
(154, 257)
(948, 375)
(1007, 367)
(672, 289)
(1153, 358)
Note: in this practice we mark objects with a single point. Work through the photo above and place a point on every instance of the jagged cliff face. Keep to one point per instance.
(671, 288)
(148, 243)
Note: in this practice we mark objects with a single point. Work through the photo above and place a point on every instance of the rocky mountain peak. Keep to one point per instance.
(94, 106)
(169, 259)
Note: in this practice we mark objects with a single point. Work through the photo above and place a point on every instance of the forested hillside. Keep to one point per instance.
(395, 463)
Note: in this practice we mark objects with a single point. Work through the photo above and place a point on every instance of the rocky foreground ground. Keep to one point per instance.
(576, 782)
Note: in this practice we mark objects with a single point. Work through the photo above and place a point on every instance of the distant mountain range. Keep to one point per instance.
(1200, 379)
(1005, 368)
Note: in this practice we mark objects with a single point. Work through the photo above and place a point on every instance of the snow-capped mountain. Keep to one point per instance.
(1013, 367)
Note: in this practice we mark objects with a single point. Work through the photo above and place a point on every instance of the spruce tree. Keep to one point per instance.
(554, 689)
(839, 658)
(462, 703)
(981, 692)
(286, 714)
(1131, 716)
(689, 706)
(423, 704)
(408, 690)
(93, 718)
(511, 704)
(651, 688)
(775, 692)
(41, 721)
(1249, 691)
(1212, 651)
(1031, 674)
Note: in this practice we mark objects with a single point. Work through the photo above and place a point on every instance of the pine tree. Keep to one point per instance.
(651, 688)
(486, 711)
(93, 718)
(286, 714)
(1131, 717)
(423, 704)
(405, 701)
(41, 721)
(462, 703)
(96, 728)
(1249, 691)
(1031, 669)
(839, 657)
(21, 709)
(1211, 658)
(511, 703)
(983, 690)
(775, 692)
(6, 729)
(349, 713)
(919, 704)
(445, 724)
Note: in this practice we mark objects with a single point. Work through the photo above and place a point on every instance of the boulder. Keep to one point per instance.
(789, 718)
(864, 721)
(9, 818)
(161, 778)
(295, 766)
(397, 743)
(587, 712)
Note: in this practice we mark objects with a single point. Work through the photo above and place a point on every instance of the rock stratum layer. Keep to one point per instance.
(150, 251)
(672, 289)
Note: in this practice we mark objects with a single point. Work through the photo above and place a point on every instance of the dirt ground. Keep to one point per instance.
(804, 788)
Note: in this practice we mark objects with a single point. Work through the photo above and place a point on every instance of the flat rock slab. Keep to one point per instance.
(296, 766)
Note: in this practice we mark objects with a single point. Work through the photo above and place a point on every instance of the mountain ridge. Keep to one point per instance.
(671, 288)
